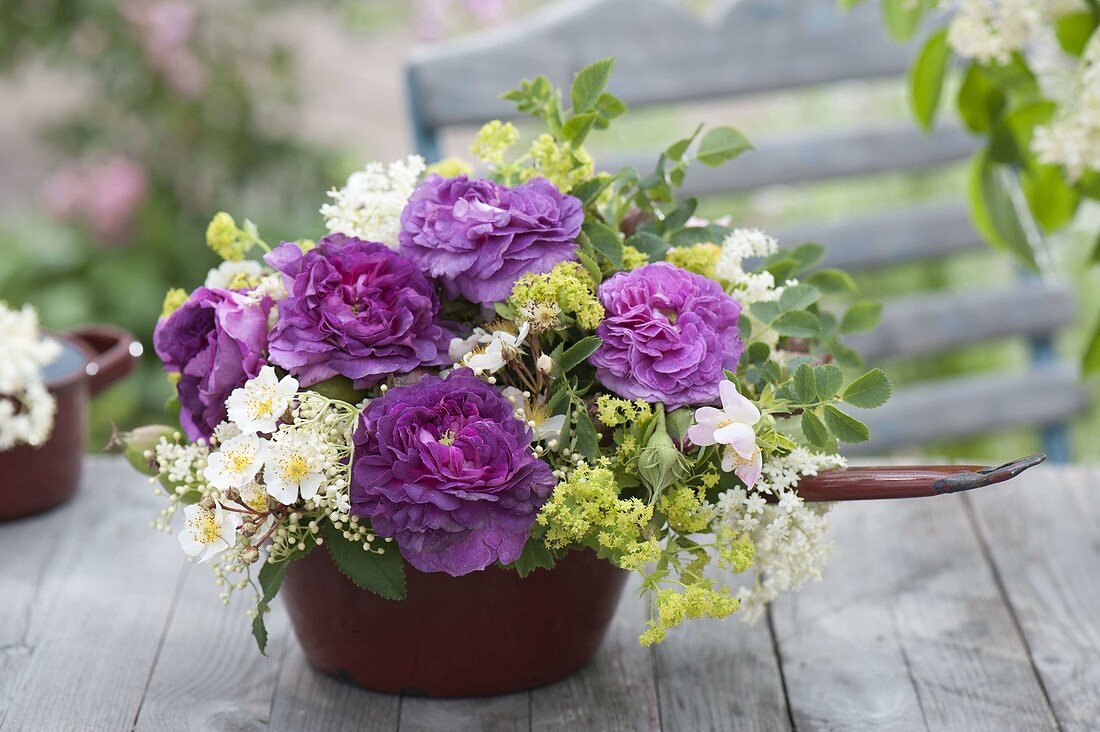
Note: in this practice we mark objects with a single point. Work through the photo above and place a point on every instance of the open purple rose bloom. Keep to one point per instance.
(445, 468)
(668, 336)
(478, 237)
(215, 342)
(354, 308)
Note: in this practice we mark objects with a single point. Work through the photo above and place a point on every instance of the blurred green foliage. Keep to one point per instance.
(193, 109)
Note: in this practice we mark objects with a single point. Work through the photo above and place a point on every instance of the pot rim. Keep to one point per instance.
(76, 375)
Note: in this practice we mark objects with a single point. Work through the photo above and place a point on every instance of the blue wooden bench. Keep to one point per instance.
(667, 54)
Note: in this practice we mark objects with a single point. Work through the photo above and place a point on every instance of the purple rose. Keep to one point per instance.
(445, 468)
(668, 336)
(477, 237)
(354, 308)
(215, 342)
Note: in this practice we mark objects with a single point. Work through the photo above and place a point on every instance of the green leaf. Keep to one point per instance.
(903, 17)
(534, 555)
(649, 243)
(765, 312)
(992, 210)
(1074, 30)
(803, 385)
(868, 391)
(589, 190)
(926, 78)
(1090, 364)
(588, 440)
(382, 574)
(980, 102)
(829, 378)
(591, 267)
(814, 429)
(339, 388)
(845, 427)
(845, 356)
(577, 128)
(271, 578)
(679, 216)
(832, 281)
(797, 324)
(589, 84)
(677, 149)
(798, 297)
(792, 262)
(720, 145)
(1052, 201)
(578, 352)
(758, 352)
(861, 317)
(606, 241)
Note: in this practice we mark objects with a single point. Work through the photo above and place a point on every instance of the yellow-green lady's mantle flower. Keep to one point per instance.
(229, 241)
(450, 168)
(493, 140)
(567, 287)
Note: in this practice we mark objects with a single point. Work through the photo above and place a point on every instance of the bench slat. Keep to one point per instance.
(912, 234)
(936, 322)
(943, 410)
(818, 157)
(664, 53)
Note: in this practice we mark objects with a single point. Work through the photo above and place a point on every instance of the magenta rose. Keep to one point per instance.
(445, 468)
(216, 342)
(354, 308)
(668, 336)
(478, 237)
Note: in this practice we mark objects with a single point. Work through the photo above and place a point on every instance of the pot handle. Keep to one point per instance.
(116, 354)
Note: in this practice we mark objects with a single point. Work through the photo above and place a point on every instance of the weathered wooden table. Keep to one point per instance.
(959, 612)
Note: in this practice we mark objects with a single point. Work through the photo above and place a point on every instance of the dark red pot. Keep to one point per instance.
(487, 632)
(35, 479)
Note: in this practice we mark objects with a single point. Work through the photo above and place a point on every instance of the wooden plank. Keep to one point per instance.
(940, 410)
(802, 159)
(931, 323)
(909, 630)
(29, 547)
(510, 713)
(745, 47)
(1041, 531)
(209, 654)
(307, 700)
(103, 608)
(915, 233)
(617, 692)
(721, 675)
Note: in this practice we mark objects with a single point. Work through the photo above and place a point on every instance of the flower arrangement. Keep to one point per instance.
(487, 369)
(26, 406)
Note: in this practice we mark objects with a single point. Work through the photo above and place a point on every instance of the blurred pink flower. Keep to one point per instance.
(438, 18)
(165, 29)
(104, 197)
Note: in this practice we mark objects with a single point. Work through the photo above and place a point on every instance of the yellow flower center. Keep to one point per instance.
(261, 407)
(239, 460)
(447, 438)
(204, 528)
(295, 469)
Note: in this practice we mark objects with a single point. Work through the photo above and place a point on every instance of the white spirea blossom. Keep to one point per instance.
(262, 401)
(1072, 140)
(789, 535)
(237, 461)
(294, 467)
(486, 353)
(989, 31)
(208, 532)
(26, 406)
(369, 206)
(748, 287)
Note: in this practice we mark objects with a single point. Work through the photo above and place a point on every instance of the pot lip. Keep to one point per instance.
(74, 376)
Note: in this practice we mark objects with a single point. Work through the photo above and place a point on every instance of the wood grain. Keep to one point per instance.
(101, 612)
(721, 675)
(909, 630)
(208, 653)
(307, 700)
(617, 692)
(1043, 534)
(511, 713)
